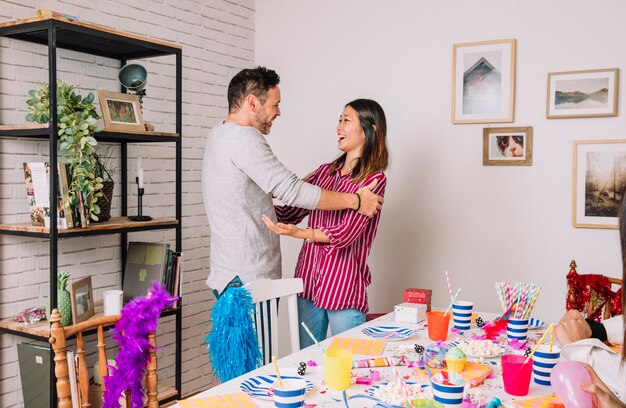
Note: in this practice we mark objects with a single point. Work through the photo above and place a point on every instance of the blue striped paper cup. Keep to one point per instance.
(291, 394)
(517, 329)
(448, 395)
(543, 362)
(462, 314)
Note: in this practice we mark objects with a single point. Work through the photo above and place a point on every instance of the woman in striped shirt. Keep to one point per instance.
(333, 258)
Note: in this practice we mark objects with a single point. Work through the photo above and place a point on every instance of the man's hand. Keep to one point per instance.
(571, 328)
(370, 203)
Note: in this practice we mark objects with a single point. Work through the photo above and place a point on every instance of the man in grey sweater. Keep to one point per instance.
(240, 175)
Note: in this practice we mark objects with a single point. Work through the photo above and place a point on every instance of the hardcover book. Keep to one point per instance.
(145, 262)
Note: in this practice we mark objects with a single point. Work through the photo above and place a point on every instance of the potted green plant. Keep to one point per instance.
(104, 171)
(77, 118)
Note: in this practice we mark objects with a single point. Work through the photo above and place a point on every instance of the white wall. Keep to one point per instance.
(443, 209)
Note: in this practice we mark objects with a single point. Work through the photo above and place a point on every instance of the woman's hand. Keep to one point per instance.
(602, 396)
(280, 228)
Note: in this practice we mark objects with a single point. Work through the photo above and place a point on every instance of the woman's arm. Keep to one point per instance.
(309, 234)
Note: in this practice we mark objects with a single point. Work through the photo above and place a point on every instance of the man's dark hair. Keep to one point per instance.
(256, 81)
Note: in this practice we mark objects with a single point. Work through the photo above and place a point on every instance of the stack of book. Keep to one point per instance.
(147, 262)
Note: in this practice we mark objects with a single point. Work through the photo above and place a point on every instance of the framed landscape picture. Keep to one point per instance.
(508, 146)
(582, 94)
(599, 181)
(120, 112)
(483, 82)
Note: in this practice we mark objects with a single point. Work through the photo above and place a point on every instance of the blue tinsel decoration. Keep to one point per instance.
(232, 342)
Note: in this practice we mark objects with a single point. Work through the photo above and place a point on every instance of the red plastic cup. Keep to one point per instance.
(516, 374)
(438, 325)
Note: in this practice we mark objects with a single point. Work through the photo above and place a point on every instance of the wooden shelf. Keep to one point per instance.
(41, 330)
(113, 226)
(40, 131)
(87, 37)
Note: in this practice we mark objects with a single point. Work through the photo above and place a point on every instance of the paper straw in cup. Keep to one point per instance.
(551, 327)
(277, 371)
(289, 394)
(313, 337)
(452, 301)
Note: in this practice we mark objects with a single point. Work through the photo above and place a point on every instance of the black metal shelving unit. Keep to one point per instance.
(55, 33)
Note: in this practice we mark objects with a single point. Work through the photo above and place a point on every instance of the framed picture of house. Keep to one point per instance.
(599, 180)
(508, 146)
(582, 94)
(483, 82)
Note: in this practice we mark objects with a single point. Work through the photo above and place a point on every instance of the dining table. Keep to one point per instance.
(402, 349)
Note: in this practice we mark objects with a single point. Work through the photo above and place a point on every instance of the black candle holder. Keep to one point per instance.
(139, 216)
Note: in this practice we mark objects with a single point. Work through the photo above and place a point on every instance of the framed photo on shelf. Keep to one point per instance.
(599, 180)
(120, 111)
(483, 81)
(508, 146)
(81, 295)
(582, 94)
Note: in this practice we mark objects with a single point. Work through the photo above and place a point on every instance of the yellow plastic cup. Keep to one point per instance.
(337, 368)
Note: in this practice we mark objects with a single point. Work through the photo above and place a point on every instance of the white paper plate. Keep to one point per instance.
(372, 390)
(389, 333)
(483, 355)
(262, 386)
(535, 324)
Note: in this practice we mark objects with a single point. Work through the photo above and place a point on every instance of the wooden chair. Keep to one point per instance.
(265, 295)
(597, 300)
(58, 340)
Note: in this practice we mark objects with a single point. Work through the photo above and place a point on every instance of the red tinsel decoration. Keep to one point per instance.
(592, 289)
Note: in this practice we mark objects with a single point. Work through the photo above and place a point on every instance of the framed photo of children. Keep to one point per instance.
(81, 295)
(582, 94)
(508, 146)
(483, 81)
(599, 181)
(120, 111)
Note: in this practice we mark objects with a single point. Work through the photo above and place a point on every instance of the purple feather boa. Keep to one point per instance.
(139, 318)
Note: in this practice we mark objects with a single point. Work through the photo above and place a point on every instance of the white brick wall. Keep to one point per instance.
(218, 40)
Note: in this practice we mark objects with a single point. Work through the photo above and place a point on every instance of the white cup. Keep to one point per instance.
(113, 300)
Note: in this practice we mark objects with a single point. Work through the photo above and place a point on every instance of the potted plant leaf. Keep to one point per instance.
(76, 129)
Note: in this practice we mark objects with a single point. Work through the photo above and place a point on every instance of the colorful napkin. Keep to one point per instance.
(473, 373)
(359, 346)
(238, 400)
(538, 402)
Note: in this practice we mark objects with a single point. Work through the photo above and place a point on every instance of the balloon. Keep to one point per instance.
(566, 378)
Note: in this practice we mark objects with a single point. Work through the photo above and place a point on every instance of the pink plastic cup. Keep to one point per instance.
(516, 374)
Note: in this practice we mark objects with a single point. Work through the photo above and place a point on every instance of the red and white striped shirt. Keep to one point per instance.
(336, 274)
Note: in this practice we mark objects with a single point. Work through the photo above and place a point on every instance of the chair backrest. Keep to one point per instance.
(58, 340)
(602, 298)
(265, 294)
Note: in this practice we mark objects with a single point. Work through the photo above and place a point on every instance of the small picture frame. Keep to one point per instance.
(81, 294)
(120, 112)
(599, 177)
(583, 94)
(508, 146)
(483, 81)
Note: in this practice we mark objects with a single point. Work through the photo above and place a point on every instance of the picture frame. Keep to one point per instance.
(582, 94)
(599, 174)
(120, 111)
(508, 146)
(483, 82)
(81, 295)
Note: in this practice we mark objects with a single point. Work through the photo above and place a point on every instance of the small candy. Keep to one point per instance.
(480, 322)
(302, 368)
(527, 352)
(419, 349)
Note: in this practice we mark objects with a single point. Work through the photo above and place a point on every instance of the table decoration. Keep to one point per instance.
(473, 373)
(238, 400)
(391, 392)
(379, 362)
(359, 346)
(538, 402)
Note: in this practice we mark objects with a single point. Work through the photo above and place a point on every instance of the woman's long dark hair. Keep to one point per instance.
(375, 156)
